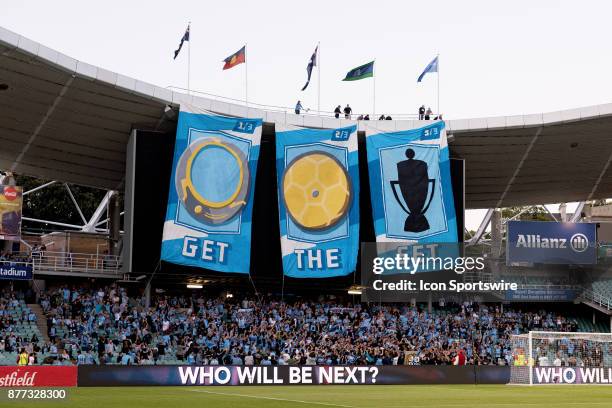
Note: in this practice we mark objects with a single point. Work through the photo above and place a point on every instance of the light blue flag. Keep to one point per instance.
(431, 67)
(318, 198)
(210, 204)
(411, 189)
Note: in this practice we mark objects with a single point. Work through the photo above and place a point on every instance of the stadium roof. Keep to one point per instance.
(67, 120)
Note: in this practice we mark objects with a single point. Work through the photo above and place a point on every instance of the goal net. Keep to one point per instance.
(540, 357)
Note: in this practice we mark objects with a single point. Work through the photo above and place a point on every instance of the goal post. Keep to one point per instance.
(542, 357)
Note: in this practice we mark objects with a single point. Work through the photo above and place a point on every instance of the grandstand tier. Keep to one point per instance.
(110, 325)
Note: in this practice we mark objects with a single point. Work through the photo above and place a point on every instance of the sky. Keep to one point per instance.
(496, 58)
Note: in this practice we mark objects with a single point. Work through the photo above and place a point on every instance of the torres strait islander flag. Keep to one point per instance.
(361, 72)
(236, 58)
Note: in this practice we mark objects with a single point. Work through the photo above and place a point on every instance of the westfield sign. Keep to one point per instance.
(16, 379)
(38, 376)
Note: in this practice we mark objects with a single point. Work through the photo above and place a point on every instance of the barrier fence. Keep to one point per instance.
(75, 262)
(119, 376)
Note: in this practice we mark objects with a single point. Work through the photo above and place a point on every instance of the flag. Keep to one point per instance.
(324, 223)
(210, 201)
(236, 58)
(364, 71)
(312, 63)
(390, 154)
(185, 38)
(431, 67)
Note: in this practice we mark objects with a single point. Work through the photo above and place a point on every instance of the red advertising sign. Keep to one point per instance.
(11, 200)
(38, 376)
(10, 193)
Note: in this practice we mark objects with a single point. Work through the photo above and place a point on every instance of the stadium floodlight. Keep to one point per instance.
(356, 290)
(541, 357)
(194, 286)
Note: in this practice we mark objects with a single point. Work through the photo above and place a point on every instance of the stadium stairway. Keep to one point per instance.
(598, 296)
(41, 321)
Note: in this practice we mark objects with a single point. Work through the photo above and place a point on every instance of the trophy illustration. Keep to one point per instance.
(413, 181)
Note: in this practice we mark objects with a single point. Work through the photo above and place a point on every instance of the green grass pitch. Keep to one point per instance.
(349, 396)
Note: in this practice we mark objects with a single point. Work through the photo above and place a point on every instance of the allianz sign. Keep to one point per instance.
(552, 242)
(578, 242)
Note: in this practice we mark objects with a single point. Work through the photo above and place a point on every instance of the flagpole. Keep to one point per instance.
(438, 57)
(319, 78)
(246, 76)
(189, 60)
(374, 92)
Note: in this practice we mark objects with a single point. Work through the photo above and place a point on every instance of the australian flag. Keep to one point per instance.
(185, 38)
(312, 63)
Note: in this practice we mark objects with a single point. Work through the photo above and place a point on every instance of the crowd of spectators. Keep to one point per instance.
(11, 317)
(106, 326)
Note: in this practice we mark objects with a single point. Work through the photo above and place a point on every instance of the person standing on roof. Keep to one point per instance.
(337, 111)
(428, 114)
(347, 111)
(421, 112)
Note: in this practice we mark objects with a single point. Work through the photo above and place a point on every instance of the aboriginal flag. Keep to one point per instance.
(236, 58)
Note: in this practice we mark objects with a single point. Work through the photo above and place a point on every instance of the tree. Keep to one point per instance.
(532, 213)
(54, 204)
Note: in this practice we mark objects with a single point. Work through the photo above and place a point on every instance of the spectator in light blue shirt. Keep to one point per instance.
(298, 107)
(126, 360)
(81, 358)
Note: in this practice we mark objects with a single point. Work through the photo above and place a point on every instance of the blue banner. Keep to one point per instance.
(210, 204)
(410, 184)
(318, 196)
(15, 270)
(552, 242)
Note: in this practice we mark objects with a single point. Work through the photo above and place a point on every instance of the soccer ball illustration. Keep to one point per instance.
(316, 190)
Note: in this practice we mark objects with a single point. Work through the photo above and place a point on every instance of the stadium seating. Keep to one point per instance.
(106, 326)
(18, 322)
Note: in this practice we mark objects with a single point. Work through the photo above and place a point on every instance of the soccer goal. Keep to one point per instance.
(541, 357)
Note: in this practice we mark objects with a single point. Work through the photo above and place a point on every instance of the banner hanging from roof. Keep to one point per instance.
(318, 196)
(410, 184)
(11, 199)
(210, 204)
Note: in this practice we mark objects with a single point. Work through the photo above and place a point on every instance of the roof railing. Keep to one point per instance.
(597, 298)
(306, 112)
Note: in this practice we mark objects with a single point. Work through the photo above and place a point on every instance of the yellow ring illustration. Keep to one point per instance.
(189, 184)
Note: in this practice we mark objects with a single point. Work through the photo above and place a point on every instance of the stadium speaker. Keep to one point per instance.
(148, 171)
